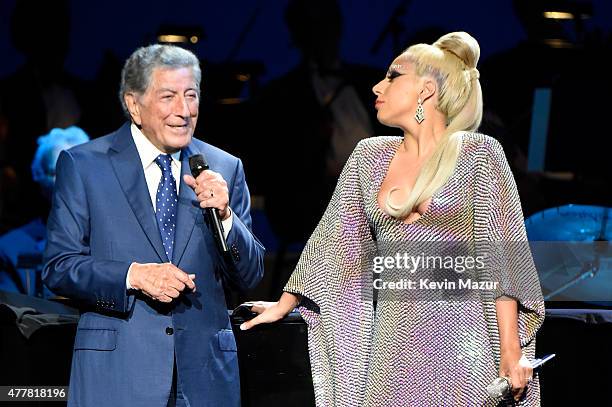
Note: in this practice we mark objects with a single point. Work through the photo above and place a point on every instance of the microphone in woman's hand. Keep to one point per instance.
(502, 385)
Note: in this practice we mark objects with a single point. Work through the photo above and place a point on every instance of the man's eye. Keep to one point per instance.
(166, 97)
(192, 96)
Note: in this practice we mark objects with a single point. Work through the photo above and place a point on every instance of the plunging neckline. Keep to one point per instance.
(386, 164)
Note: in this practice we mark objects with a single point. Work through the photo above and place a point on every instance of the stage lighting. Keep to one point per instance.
(179, 35)
(567, 10)
(558, 15)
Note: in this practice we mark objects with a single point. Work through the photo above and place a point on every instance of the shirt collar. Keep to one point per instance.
(147, 151)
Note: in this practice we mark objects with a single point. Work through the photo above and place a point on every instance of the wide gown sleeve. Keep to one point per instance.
(337, 305)
(500, 226)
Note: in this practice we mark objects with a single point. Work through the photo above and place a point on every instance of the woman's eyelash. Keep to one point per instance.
(393, 74)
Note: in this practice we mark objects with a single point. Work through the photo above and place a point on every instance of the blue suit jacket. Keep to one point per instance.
(101, 221)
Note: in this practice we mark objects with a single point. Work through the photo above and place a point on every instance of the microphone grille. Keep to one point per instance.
(498, 387)
(197, 164)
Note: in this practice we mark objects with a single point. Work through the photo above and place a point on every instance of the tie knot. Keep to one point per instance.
(164, 161)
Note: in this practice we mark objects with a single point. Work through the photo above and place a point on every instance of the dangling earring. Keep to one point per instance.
(419, 116)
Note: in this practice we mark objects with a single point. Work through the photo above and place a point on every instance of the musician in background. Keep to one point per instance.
(31, 237)
(322, 108)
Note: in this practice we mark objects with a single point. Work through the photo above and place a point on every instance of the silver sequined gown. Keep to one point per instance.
(412, 353)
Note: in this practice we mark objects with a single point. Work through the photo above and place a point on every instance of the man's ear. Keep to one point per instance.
(428, 88)
(133, 107)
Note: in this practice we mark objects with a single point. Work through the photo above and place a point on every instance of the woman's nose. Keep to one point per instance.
(377, 89)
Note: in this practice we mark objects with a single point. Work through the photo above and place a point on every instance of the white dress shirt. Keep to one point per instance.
(148, 153)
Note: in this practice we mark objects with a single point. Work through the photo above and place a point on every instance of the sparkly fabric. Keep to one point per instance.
(422, 353)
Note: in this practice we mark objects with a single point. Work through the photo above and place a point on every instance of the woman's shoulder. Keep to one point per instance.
(377, 144)
(473, 144)
(479, 144)
(369, 153)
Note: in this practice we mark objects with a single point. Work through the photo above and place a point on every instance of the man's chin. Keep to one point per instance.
(177, 142)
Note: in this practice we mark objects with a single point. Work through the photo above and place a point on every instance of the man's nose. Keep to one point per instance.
(181, 107)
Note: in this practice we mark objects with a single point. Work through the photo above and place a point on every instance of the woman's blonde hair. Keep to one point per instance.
(451, 62)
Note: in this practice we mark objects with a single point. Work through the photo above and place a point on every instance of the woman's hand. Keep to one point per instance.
(271, 311)
(515, 366)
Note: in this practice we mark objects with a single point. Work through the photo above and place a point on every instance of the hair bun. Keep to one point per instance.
(462, 45)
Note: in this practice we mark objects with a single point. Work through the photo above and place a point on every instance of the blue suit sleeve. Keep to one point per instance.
(70, 269)
(246, 269)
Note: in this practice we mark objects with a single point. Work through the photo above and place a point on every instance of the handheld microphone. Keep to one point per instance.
(502, 385)
(197, 164)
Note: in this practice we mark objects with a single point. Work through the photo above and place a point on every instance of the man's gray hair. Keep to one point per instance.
(137, 71)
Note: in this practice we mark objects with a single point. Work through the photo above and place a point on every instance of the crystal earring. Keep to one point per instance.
(420, 112)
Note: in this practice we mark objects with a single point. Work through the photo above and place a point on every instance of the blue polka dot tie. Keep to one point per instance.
(166, 203)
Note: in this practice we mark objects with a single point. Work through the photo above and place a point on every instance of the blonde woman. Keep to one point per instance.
(441, 182)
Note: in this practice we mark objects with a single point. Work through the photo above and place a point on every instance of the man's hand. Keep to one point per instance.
(162, 282)
(211, 190)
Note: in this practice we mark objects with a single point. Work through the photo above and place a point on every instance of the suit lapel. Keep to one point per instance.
(128, 169)
(187, 210)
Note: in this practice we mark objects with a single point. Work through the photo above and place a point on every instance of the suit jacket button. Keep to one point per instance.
(169, 331)
(235, 253)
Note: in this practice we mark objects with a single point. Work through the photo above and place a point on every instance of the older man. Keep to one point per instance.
(126, 236)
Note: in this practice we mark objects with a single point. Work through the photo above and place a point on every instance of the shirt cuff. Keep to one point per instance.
(227, 223)
(127, 278)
